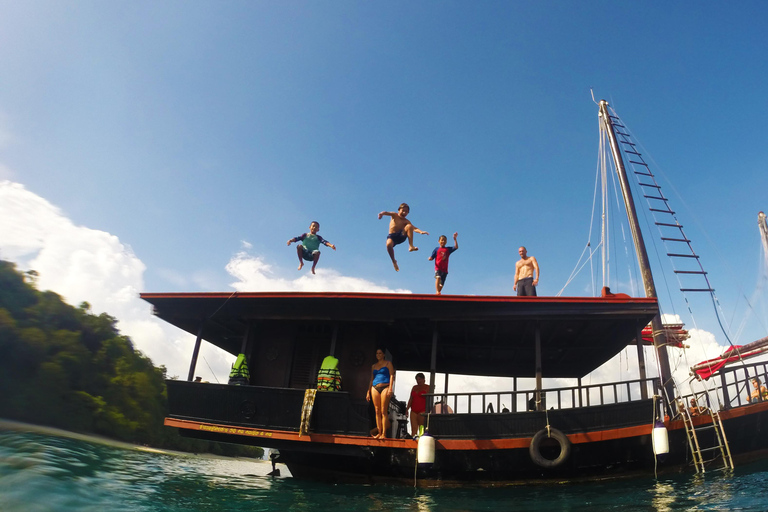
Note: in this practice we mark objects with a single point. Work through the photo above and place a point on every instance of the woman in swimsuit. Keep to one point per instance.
(380, 390)
(758, 391)
(417, 403)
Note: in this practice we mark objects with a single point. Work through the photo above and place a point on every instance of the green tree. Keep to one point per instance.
(66, 367)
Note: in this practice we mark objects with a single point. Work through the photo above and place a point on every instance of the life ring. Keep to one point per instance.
(535, 448)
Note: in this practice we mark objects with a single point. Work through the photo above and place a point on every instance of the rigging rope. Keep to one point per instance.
(713, 296)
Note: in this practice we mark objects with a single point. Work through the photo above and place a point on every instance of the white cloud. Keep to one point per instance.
(255, 275)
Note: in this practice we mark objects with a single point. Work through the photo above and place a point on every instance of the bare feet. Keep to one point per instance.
(313, 270)
(397, 269)
(412, 248)
(301, 265)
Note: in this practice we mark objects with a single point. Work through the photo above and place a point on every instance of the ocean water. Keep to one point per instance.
(44, 472)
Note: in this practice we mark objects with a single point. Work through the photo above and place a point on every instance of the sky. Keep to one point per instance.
(177, 146)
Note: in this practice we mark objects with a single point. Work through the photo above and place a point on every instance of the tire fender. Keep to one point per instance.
(535, 448)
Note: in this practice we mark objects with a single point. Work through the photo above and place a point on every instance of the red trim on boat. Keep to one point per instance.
(620, 298)
(445, 444)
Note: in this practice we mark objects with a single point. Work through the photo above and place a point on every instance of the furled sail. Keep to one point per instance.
(706, 369)
(675, 334)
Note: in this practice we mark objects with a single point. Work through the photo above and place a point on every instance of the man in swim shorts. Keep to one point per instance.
(309, 249)
(400, 230)
(526, 274)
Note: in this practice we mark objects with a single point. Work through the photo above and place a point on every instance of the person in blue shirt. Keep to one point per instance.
(310, 245)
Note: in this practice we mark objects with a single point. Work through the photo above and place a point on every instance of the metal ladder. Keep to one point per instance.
(716, 444)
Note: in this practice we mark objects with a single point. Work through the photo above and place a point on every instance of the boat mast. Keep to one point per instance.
(659, 338)
(761, 222)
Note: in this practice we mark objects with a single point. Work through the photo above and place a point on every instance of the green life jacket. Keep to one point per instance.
(329, 377)
(239, 373)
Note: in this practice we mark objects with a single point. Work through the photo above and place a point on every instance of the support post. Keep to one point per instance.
(641, 360)
(539, 405)
(433, 364)
(196, 352)
(333, 338)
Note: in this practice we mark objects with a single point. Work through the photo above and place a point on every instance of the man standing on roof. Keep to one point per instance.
(526, 274)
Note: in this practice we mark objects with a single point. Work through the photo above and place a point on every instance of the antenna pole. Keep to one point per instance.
(659, 338)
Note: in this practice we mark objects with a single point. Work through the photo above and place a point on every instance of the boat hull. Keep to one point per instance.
(605, 441)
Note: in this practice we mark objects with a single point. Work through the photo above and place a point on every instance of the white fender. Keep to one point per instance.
(425, 454)
(660, 439)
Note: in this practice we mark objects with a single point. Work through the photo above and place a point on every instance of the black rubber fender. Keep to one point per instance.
(535, 448)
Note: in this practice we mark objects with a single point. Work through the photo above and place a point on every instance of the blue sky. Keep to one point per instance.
(195, 138)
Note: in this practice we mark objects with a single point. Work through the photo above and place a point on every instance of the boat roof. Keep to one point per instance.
(477, 335)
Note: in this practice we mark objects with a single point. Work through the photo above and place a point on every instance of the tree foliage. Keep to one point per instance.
(68, 368)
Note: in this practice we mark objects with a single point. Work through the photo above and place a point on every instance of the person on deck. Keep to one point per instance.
(440, 255)
(400, 230)
(380, 391)
(526, 274)
(310, 245)
(417, 403)
(759, 391)
(695, 409)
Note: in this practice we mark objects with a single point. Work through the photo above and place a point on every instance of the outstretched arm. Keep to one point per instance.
(417, 230)
(388, 214)
(295, 239)
(455, 241)
(326, 242)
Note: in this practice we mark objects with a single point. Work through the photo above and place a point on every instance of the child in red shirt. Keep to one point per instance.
(440, 255)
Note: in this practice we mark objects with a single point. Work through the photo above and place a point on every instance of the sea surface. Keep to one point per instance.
(46, 472)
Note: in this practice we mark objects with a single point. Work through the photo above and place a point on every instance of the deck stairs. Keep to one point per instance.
(707, 441)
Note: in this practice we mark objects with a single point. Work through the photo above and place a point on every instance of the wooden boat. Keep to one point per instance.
(529, 433)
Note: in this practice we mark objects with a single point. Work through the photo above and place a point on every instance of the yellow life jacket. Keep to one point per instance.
(329, 377)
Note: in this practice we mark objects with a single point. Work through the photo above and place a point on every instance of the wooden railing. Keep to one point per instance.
(736, 386)
(557, 398)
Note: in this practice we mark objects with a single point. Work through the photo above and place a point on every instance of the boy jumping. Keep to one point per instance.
(310, 245)
(440, 255)
(400, 230)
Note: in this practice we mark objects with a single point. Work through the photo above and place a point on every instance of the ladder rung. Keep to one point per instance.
(662, 211)
(689, 272)
(704, 427)
(697, 289)
(675, 239)
(709, 449)
(668, 225)
(643, 173)
(662, 198)
(672, 255)
(640, 163)
(649, 185)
